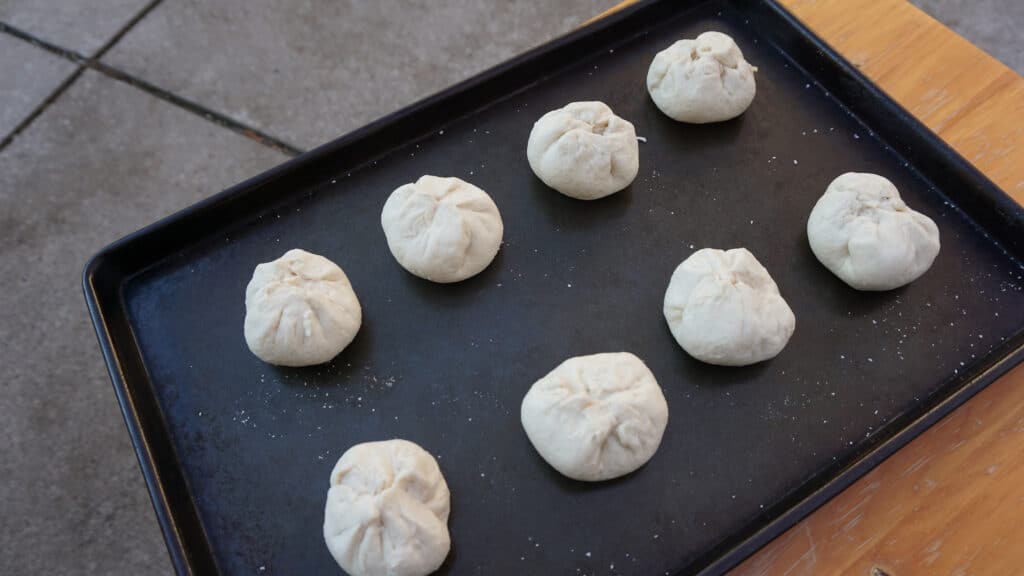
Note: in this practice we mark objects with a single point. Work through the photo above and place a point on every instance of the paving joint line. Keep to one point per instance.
(93, 63)
(71, 55)
(124, 30)
(43, 44)
(38, 110)
(221, 120)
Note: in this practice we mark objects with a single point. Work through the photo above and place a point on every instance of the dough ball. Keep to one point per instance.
(863, 232)
(300, 310)
(442, 229)
(596, 417)
(584, 150)
(703, 80)
(724, 308)
(387, 511)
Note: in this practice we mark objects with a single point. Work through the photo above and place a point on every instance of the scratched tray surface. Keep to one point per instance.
(446, 366)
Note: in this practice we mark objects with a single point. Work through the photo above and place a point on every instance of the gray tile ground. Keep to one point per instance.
(79, 25)
(310, 71)
(992, 25)
(104, 160)
(27, 76)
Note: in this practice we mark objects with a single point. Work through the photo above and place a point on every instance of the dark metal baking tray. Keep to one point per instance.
(237, 453)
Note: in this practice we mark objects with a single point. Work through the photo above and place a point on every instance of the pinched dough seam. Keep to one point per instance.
(265, 335)
(611, 155)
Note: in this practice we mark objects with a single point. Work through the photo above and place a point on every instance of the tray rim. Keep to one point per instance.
(104, 266)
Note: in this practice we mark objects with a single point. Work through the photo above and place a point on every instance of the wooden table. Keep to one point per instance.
(951, 501)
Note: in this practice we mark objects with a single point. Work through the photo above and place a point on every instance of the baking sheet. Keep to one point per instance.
(237, 452)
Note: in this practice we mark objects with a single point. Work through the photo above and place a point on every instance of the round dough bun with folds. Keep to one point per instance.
(442, 229)
(724, 308)
(863, 232)
(596, 417)
(387, 511)
(300, 310)
(584, 150)
(703, 80)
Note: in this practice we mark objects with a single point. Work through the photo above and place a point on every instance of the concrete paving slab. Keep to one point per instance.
(312, 70)
(27, 76)
(102, 161)
(83, 26)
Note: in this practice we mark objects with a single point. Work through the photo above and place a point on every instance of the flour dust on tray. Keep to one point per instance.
(724, 308)
(387, 511)
(442, 229)
(596, 417)
(300, 310)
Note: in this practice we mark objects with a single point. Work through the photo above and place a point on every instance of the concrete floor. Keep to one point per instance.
(114, 113)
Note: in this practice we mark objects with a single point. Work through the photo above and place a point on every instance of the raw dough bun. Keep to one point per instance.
(387, 511)
(300, 310)
(724, 308)
(584, 150)
(702, 80)
(442, 229)
(863, 232)
(596, 417)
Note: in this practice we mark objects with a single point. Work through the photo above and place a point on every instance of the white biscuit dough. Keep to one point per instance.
(387, 511)
(584, 150)
(442, 229)
(596, 417)
(300, 310)
(724, 308)
(702, 80)
(863, 232)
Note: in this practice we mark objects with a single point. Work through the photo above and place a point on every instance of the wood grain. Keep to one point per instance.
(952, 501)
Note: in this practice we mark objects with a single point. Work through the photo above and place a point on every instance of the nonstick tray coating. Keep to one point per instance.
(237, 453)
